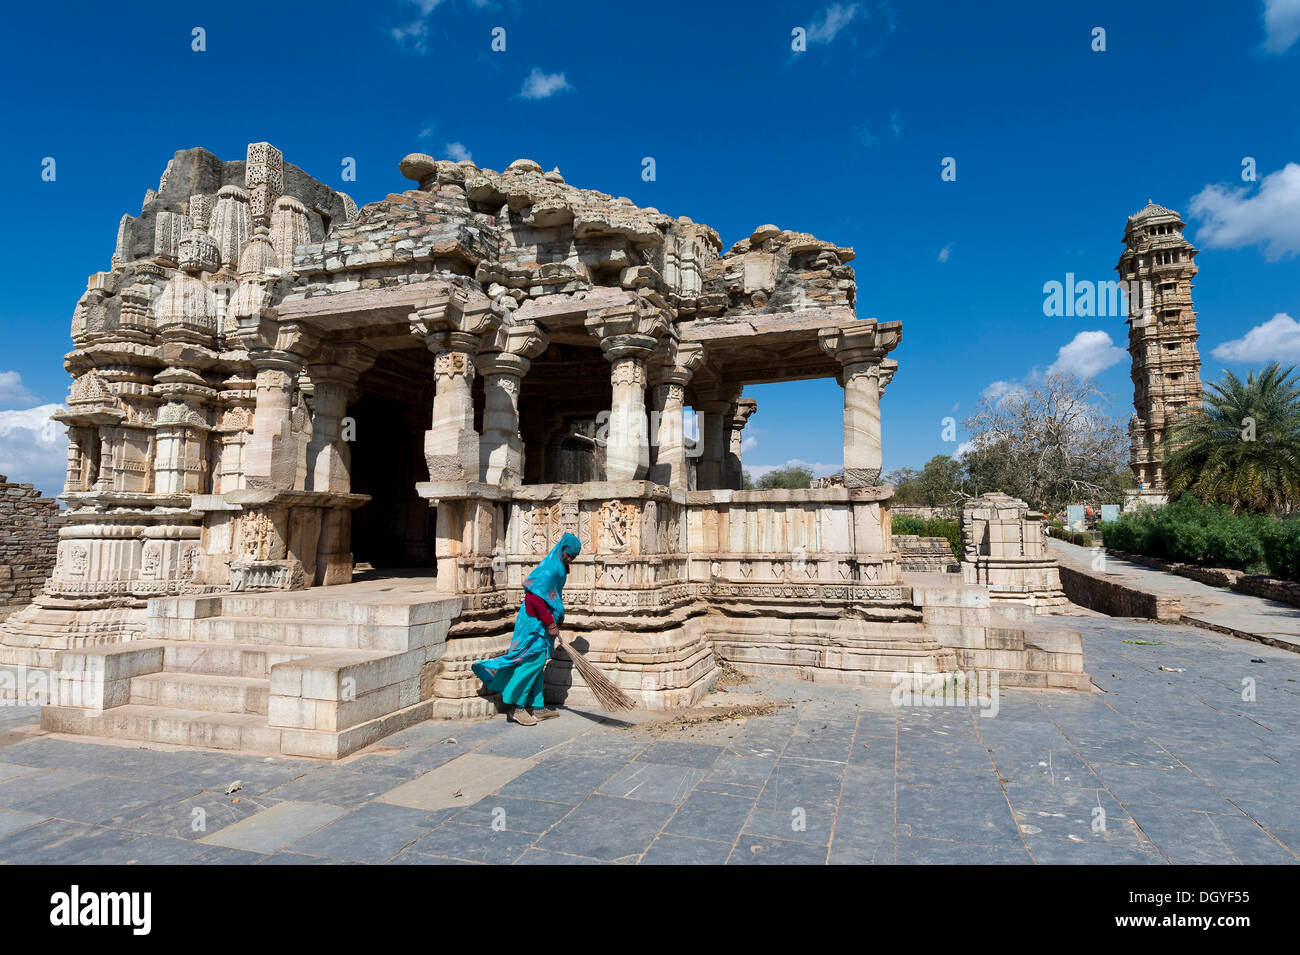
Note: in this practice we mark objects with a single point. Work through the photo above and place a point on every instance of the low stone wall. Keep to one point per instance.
(1098, 592)
(925, 555)
(29, 540)
(1258, 585)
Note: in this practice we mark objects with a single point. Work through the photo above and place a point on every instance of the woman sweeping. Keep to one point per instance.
(518, 673)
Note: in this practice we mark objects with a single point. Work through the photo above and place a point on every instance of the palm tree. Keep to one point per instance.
(1243, 448)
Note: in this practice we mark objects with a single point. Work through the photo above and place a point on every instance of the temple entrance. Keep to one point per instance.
(395, 529)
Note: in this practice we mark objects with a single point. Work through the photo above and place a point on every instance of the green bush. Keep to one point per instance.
(1282, 548)
(1209, 535)
(931, 527)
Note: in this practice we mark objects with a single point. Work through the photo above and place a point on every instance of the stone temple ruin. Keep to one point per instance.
(314, 449)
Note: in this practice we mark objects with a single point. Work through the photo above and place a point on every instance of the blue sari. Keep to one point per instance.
(518, 673)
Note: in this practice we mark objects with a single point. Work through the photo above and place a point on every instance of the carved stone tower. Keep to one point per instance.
(1158, 266)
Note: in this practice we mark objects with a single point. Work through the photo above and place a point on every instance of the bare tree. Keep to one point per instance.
(1049, 443)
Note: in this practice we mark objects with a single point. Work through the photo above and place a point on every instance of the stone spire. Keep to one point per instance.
(1158, 265)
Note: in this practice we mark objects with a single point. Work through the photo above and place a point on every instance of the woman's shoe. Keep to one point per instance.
(544, 713)
(522, 717)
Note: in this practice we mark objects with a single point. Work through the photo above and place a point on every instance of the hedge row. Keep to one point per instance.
(1210, 536)
(931, 527)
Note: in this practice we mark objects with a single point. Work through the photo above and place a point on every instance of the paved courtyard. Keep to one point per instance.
(1162, 767)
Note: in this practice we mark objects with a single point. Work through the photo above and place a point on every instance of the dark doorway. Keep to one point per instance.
(395, 529)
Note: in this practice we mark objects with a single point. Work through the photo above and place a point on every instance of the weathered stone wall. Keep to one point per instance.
(1258, 585)
(925, 554)
(29, 538)
(1096, 592)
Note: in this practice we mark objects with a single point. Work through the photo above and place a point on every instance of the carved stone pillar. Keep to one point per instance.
(734, 471)
(271, 457)
(628, 335)
(453, 328)
(713, 407)
(668, 394)
(329, 459)
(860, 348)
(501, 450)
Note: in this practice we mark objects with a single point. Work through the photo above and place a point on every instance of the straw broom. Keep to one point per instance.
(609, 696)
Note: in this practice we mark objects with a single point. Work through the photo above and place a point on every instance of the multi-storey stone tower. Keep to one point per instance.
(1158, 266)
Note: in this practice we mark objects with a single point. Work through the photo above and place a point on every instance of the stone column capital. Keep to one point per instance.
(741, 411)
(455, 320)
(629, 330)
(269, 335)
(502, 363)
(523, 338)
(863, 342)
(885, 372)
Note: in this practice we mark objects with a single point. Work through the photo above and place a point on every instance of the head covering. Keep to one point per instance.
(547, 581)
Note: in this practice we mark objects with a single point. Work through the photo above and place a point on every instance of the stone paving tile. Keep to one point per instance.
(11, 821)
(407, 857)
(221, 855)
(756, 850)
(706, 815)
(1068, 852)
(272, 829)
(862, 837)
(568, 779)
(285, 857)
(1204, 837)
(916, 850)
(811, 825)
(654, 782)
(603, 744)
(335, 787)
(675, 850)
(104, 800)
(60, 842)
(511, 812)
(217, 771)
(149, 850)
(374, 833)
(695, 755)
(31, 786)
(454, 840)
(971, 816)
(13, 770)
(607, 827)
(802, 783)
(195, 815)
(542, 857)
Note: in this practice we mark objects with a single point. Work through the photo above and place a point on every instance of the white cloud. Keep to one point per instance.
(1232, 219)
(1278, 339)
(414, 34)
(826, 27)
(540, 85)
(748, 443)
(945, 252)
(1087, 354)
(427, 132)
(1000, 389)
(1281, 24)
(12, 390)
(457, 152)
(34, 448)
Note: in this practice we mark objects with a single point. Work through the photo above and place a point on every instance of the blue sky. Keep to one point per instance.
(1055, 145)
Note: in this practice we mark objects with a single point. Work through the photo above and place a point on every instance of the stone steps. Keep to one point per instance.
(305, 673)
(245, 732)
(243, 660)
(281, 631)
(202, 691)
